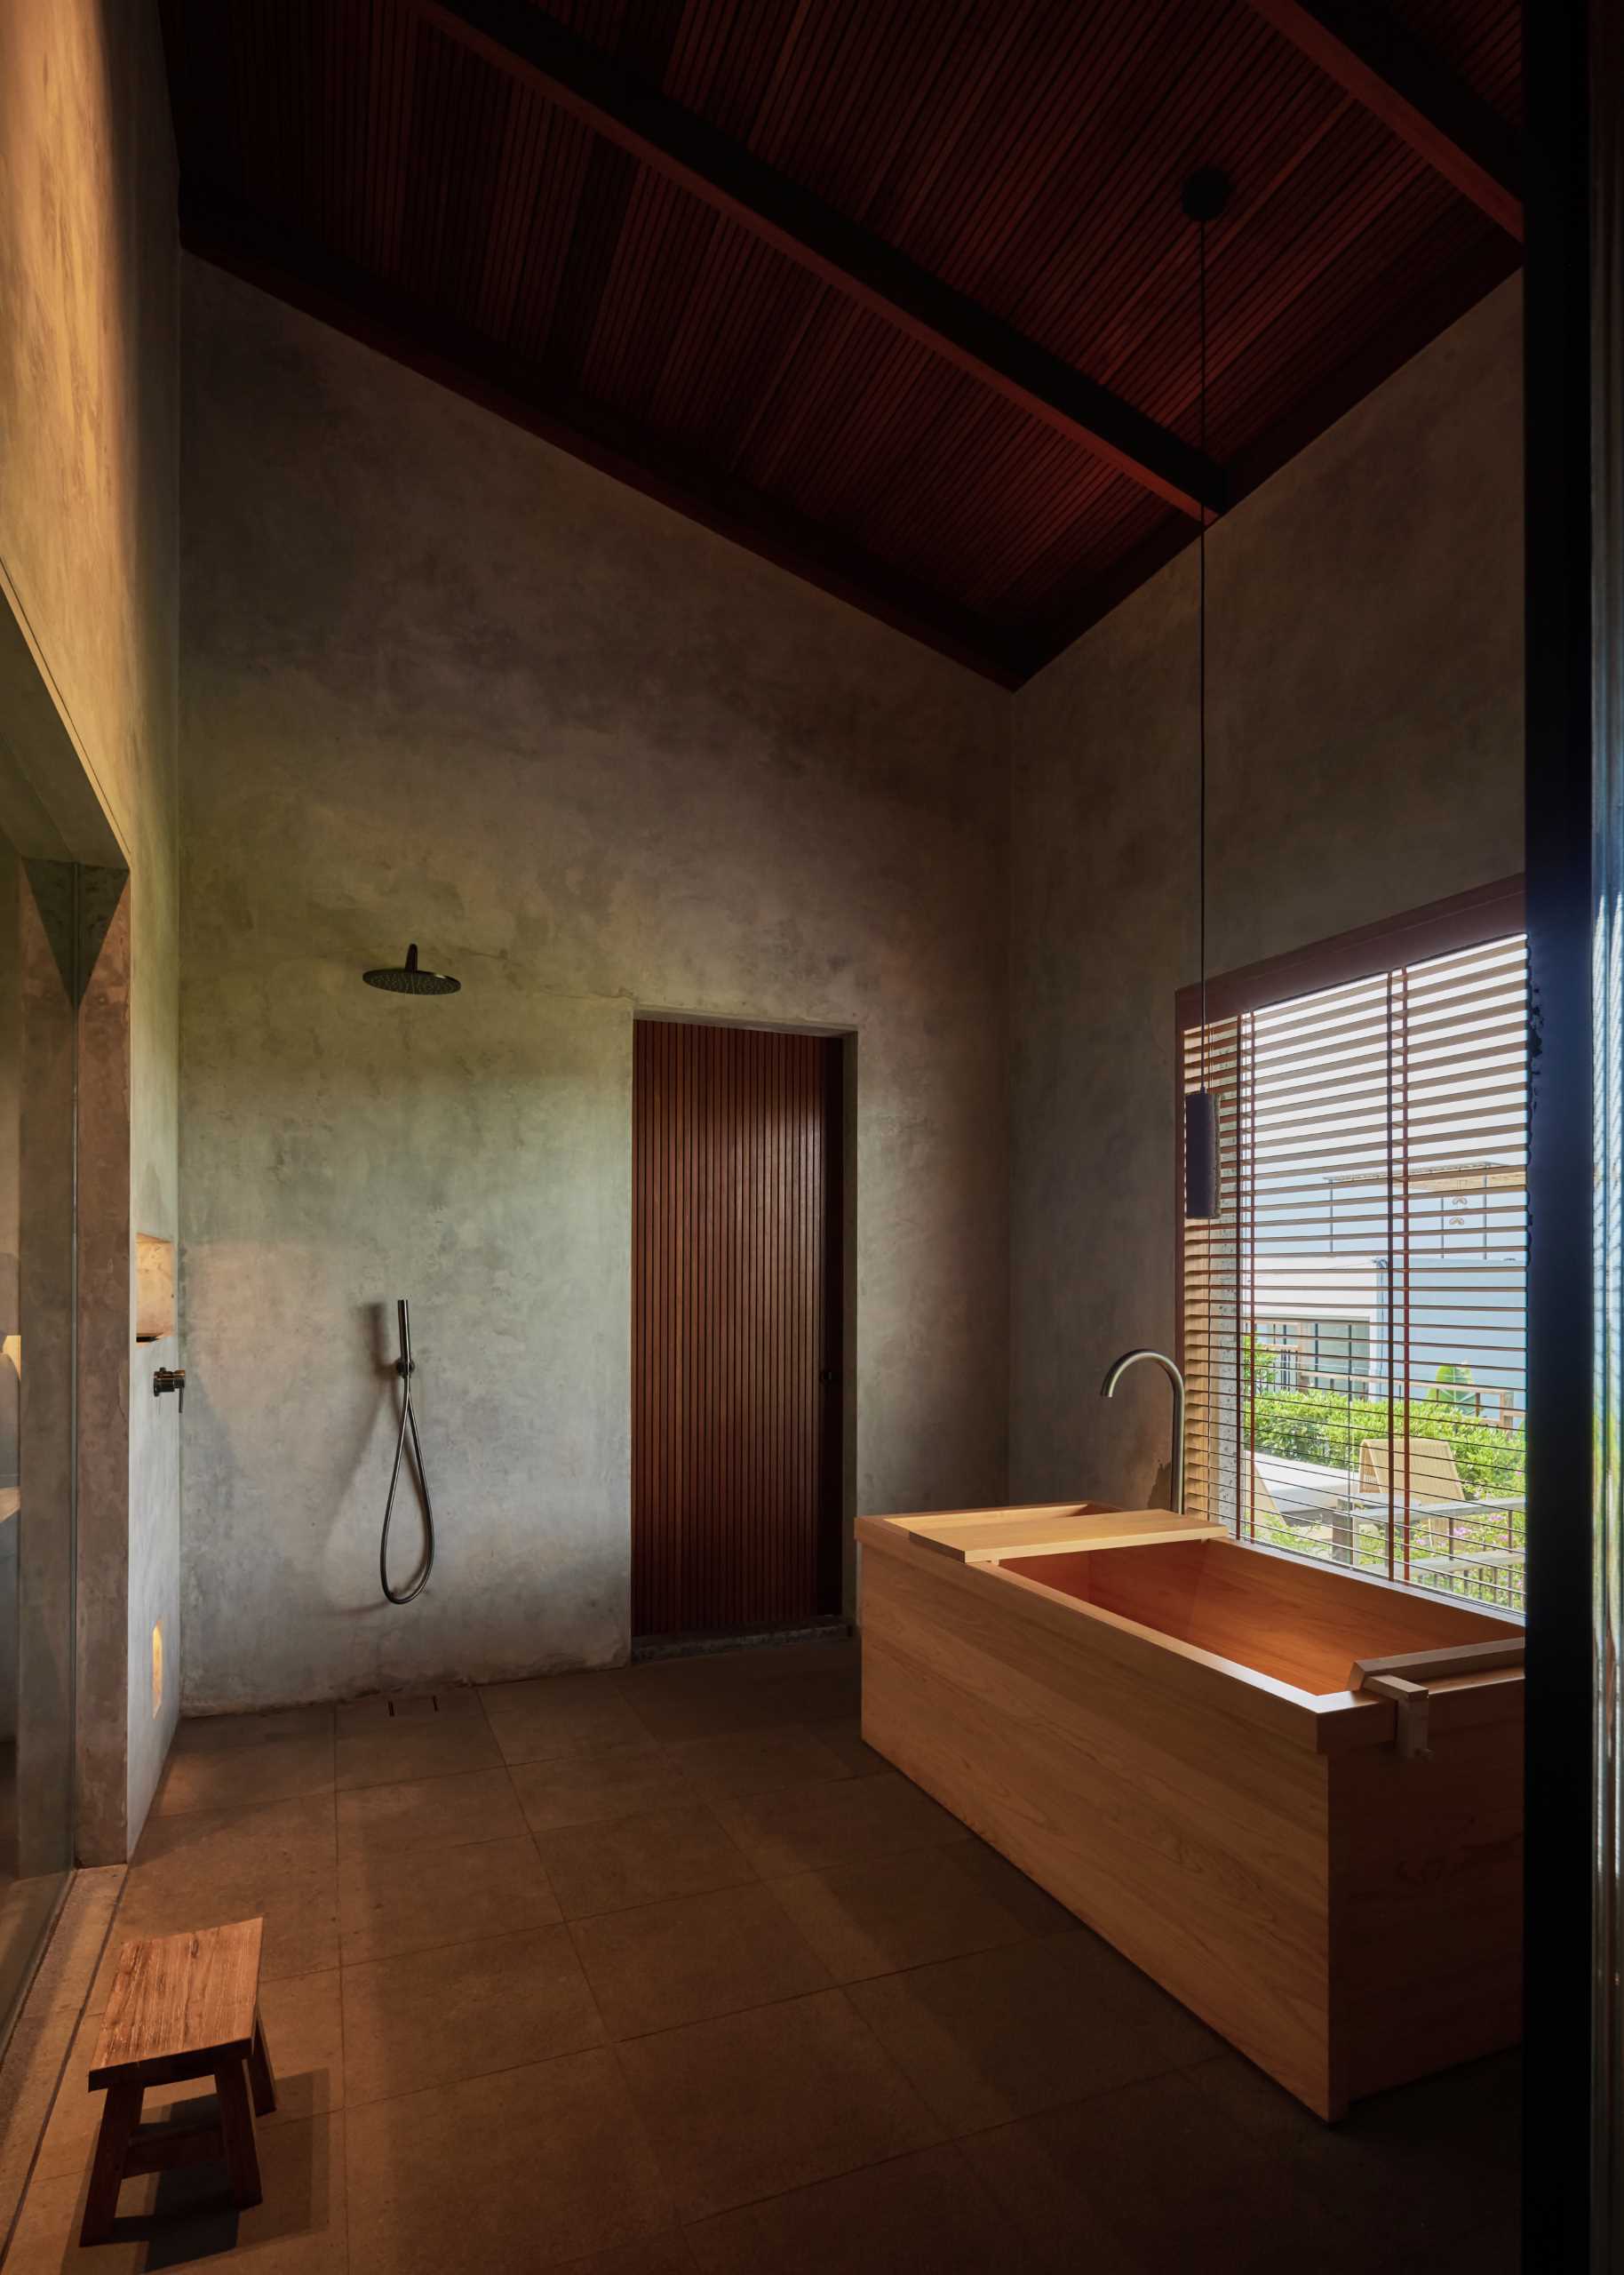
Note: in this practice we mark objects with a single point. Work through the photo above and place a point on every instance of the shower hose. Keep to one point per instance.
(404, 1366)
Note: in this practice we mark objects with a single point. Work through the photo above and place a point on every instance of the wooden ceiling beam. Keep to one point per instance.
(687, 149)
(1396, 76)
(1085, 600)
(296, 269)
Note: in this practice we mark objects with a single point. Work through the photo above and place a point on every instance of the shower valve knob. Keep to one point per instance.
(167, 1378)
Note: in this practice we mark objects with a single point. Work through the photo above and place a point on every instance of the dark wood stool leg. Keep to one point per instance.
(259, 2072)
(237, 2134)
(120, 2116)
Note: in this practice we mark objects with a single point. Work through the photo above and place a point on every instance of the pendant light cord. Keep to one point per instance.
(1201, 661)
(1202, 198)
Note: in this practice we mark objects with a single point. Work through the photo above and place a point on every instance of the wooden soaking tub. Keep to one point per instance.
(1177, 1736)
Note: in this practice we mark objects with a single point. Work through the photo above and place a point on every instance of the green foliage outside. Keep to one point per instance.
(1322, 1425)
(1328, 1427)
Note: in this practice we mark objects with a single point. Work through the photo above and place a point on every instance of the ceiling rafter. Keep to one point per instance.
(1376, 59)
(299, 270)
(1085, 601)
(729, 178)
(347, 163)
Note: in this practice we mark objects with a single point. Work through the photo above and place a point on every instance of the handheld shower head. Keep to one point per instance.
(408, 979)
(406, 1366)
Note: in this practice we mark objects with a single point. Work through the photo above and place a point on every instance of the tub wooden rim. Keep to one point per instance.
(1320, 1721)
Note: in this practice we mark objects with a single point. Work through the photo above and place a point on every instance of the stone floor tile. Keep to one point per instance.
(240, 1776)
(560, 1714)
(397, 1751)
(926, 2213)
(750, 2104)
(243, 1732)
(388, 1904)
(801, 1828)
(895, 1912)
(431, 2017)
(610, 1866)
(428, 1813)
(1151, 2175)
(661, 1965)
(501, 2175)
(204, 1868)
(589, 1788)
(759, 1761)
(1027, 2026)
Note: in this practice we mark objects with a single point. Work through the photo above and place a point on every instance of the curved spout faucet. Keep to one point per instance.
(1113, 1375)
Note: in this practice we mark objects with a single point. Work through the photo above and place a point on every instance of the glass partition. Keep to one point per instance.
(39, 933)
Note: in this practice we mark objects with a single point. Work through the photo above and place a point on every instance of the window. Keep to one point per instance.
(1353, 1323)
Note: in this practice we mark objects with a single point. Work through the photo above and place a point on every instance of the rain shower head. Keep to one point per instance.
(407, 980)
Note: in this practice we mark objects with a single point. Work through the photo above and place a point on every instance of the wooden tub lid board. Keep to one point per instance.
(988, 1536)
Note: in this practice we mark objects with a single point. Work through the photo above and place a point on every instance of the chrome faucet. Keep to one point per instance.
(1113, 1375)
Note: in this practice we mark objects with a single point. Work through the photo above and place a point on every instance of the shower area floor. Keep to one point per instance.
(662, 1970)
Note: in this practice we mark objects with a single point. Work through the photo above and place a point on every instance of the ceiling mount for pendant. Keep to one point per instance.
(1206, 194)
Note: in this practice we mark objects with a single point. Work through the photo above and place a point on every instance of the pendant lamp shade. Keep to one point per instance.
(1200, 1153)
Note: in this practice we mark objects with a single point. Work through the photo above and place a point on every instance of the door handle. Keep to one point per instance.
(829, 1376)
(167, 1378)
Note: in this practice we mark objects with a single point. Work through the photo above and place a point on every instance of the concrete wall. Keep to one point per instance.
(443, 682)
(10, 1238)
(1364, 757)
(89, 576)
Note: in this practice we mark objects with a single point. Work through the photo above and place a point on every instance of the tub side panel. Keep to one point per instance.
(1114, 1773)
(1427, 1903)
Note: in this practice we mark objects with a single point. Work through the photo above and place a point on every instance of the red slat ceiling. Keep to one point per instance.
(1028, 154)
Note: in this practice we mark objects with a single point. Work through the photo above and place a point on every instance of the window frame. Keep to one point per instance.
(1448, 927)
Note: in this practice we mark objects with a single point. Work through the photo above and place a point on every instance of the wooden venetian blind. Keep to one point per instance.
(736, 1426)
(1353, 1323)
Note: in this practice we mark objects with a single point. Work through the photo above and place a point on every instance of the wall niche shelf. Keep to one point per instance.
(154, 1287)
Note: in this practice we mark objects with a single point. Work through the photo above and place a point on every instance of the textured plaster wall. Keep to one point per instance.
(88, 561)
(1364, 757)
(443, 682)
(11, 1236)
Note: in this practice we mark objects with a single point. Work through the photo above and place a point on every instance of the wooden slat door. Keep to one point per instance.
(736, 1427)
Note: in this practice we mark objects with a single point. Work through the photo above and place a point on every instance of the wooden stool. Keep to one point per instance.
(182, 2006)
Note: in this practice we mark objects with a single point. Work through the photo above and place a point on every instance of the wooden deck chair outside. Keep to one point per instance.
(1432, 1473)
